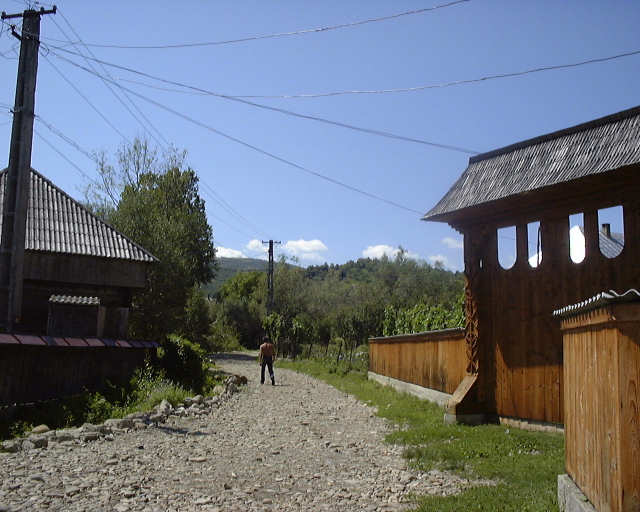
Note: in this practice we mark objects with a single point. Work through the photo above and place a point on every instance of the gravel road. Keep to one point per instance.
(300, 445)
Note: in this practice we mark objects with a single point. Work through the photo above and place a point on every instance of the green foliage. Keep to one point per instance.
(228, 267)
(421, 318)
(164, 213)
(197, 319)
(522, 465)
(353, 301)
(182, 362)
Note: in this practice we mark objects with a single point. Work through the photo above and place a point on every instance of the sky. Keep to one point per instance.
(258, 167)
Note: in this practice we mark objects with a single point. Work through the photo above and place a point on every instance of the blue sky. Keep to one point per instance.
(316, 220)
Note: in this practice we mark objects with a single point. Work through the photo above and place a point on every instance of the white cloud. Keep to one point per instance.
(225, 252)
(308, 250)
(256, 246)
(378, 251)
(439, 259)
(453, 243)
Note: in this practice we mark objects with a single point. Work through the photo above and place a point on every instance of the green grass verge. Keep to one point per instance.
(524, 464)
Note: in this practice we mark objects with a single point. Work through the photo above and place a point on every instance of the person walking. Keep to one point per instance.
(267, 356)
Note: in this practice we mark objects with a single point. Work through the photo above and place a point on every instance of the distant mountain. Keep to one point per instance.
(228, 267)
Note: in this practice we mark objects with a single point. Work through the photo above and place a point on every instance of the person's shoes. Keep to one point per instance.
(273, 382)
(261, 382)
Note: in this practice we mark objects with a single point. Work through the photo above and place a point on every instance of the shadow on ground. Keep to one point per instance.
(233, 356)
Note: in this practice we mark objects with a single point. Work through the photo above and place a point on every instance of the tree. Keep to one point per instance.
(133, 160)
(163, 212)
(197, 322)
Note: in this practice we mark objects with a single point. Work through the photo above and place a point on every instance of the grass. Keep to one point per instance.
(146, 389)
(523, 464)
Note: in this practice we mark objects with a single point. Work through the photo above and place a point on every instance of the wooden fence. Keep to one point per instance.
(435, 359)
(602, 403)
(35, 368)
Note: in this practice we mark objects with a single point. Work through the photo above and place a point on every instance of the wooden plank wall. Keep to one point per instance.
(602, 405)
(521, 343)
(33, 373)
(435, 360)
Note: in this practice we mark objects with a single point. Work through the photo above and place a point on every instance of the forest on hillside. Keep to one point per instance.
(344, 304)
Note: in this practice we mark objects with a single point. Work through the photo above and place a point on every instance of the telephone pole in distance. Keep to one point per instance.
(270, 276)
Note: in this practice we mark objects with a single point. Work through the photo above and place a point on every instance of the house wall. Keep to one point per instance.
(33, 373)
(35, 309)
(520, 352)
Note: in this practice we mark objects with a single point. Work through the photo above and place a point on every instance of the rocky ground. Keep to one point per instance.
(301, 445)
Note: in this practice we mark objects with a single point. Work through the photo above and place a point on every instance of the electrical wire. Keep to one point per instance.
(266, 153)
(81, 94)
(370, 131)
(441, 85)
(278, 34)
(67, 139)
(70, 162)
(93, 158)
(109, 87)
(230, 209)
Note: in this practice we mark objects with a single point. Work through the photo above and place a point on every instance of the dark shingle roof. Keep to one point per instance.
(58, 223)
(590, 148)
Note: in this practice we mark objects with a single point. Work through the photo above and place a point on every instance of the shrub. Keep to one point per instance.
(182, 362)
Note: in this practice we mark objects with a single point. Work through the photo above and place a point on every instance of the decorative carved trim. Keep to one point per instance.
(473, 242)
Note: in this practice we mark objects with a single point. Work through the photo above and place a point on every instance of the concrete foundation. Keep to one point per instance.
(432, 395)
(571, 498)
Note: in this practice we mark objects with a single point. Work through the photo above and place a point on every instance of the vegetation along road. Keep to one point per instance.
(301, 445)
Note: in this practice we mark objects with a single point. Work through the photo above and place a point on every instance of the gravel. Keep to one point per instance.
(300, 445)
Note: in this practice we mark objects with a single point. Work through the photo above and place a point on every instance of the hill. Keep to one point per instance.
(228, 267)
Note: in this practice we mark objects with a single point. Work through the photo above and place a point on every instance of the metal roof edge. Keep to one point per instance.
(601, 299)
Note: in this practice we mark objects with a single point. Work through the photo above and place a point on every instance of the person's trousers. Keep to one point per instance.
(267, 361)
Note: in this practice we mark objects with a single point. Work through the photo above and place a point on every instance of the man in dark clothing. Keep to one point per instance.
(267, 355)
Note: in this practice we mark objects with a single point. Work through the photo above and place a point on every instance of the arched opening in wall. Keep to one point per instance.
(534, 242)
(577, 244)
(611, 231)
(507, 247)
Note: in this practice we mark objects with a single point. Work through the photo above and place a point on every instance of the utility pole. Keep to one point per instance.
(270, 276)
(16, 192)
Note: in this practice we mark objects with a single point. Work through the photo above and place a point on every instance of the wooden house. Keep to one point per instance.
(69, 252)
(514, 350)
(79, 278)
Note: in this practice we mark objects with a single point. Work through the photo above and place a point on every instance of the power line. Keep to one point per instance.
(80, 93)
(67, 139)
(370, 131)
(262, 151)
(108, 86)
(441, 85)
(91, 157)
(278, 34)
(230, 209)
(70, 162)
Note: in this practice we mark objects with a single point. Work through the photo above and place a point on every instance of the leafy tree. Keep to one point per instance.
(164, 213)
(197, 322)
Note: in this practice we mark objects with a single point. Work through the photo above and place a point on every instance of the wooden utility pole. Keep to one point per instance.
(16, 192)
(270, 276)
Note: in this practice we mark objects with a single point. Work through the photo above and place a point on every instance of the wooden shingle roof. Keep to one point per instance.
(590, 148)
(57, 223)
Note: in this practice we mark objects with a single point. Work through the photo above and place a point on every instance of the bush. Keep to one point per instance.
(182, 362)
